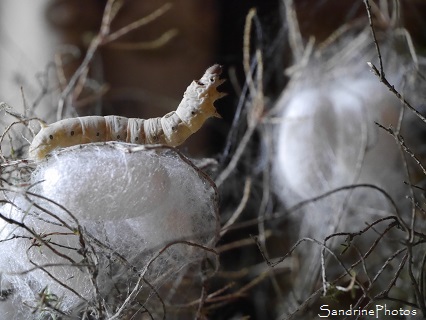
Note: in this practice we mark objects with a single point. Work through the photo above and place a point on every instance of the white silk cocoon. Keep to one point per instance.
(327, 138)
(124, 206)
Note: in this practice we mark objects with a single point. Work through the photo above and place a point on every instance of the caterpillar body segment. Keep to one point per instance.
(172, 129)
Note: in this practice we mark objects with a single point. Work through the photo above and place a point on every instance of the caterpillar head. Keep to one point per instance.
(211, 81)
(198, 101)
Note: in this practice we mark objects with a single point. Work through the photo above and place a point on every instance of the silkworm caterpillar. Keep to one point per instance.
(172, 129)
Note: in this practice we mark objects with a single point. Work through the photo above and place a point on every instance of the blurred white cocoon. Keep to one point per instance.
(104, 206)
(327, 138)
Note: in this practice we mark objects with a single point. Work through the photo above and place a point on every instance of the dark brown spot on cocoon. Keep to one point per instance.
(51, 137)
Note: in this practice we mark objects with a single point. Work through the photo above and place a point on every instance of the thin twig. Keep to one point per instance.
(373, 32)
(240, 208)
